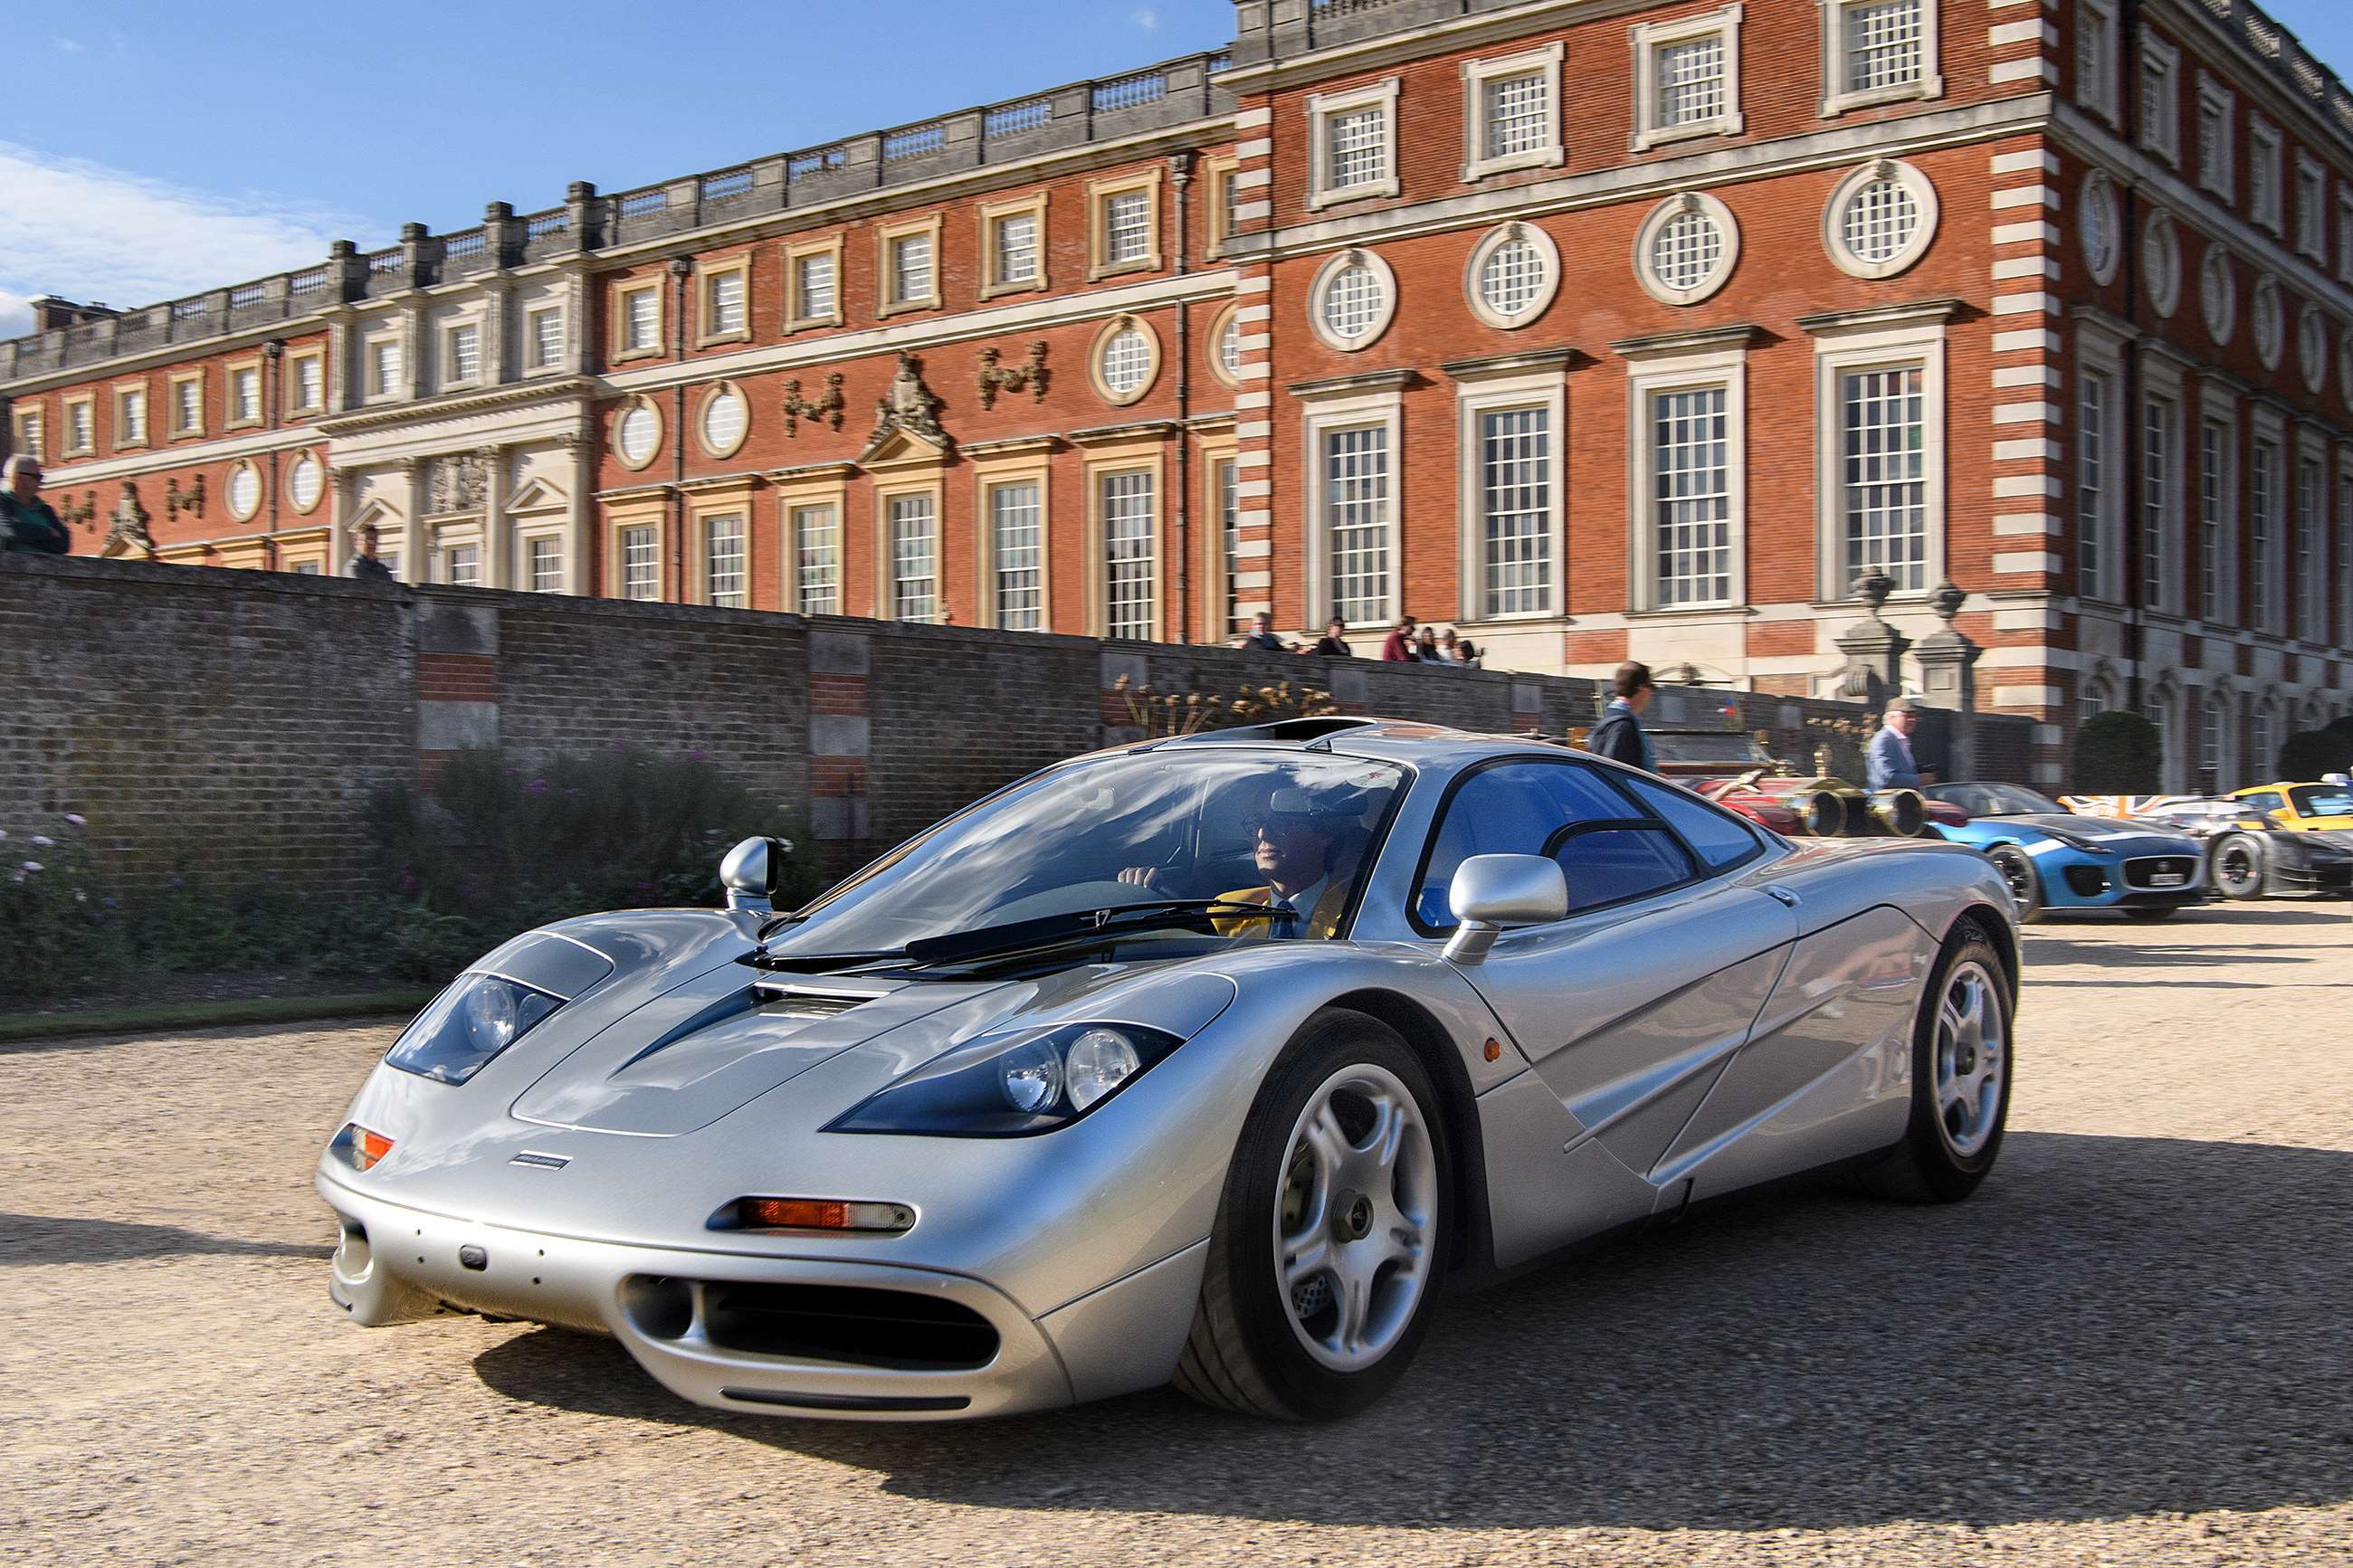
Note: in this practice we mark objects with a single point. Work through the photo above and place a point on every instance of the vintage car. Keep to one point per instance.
(1205, 1058)
(2325, 807)
(1734, 770)
(2249, 855)
(2055, 861)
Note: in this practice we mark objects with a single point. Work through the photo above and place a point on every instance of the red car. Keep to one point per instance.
(1736, 771)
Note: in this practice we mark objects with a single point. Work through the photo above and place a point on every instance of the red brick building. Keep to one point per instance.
(1596, 329)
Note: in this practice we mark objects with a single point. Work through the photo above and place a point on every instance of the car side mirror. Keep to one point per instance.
(752, 872)
(1492, 892)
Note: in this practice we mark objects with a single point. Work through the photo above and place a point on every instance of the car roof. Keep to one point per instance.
(1407, 740)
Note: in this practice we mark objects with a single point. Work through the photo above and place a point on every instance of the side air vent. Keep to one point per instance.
(786, 1002)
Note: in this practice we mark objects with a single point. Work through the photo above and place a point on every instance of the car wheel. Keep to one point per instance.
(1338, 1211)
(2161, 912)
(1961, 1070)
(2017, 868)
(2239, 867)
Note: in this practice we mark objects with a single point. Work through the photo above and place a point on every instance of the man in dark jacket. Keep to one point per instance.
(26, 521)
(1620, 735)
(364, 563)
(1261, 639)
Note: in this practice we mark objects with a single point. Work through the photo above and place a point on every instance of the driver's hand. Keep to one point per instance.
(1141, 877)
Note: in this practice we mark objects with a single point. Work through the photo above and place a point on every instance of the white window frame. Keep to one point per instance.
(1325, 107)
(703, 406)
(2341, 547)
(886, 497)
(2162, 382)
(531, 323)
(2268, 327)
(2266, 199)
(799, 578)
(2223, 323)
(624, 293)
(371, 390)
(450, 379)
(2099, 354)
(993, 217)
(1647, 38)
(2161, 271)
(232, 418)
(2160, 87)
(797, 315)
(2268, 427)
(2310, 363)
(1837, 98)
(1841, 351)
(176, 427)
(2311, 207)
(2096, 20)
(128, 394)
(526, 547)
(1547, 253)
(1099, 477)
(2222, 176)
(623, 527)
(1646, 270)
(32, 432)
(888, 240)
(2096, 200)
(295, 403)
(1103, 339)
(1101, 263)
(1321, 414)
(1702, 370)
(1475, 398)
(1915, 184)
(990, 475)
(1476, 77)
(1326, 275)
(84, 443)
(2309, 613)
(2220, 407)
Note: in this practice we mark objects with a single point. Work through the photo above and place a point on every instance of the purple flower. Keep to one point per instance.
(536, 786)
(44, 843)
(77, 819)
(696, 755)
(32, 865)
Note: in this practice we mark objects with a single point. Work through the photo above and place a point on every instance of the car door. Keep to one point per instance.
(1630, 1008)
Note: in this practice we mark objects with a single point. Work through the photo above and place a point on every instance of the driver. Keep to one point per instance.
(1305, 853)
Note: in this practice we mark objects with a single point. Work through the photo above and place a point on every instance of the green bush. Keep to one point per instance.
(52, 913)
(2313, 753)
(2118, 754)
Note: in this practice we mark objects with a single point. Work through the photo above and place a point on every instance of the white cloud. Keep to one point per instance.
(89, 232)
(1146, 17)
(71, 46)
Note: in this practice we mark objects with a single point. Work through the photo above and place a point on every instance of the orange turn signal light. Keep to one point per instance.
(367, 1147)
(820, 1213)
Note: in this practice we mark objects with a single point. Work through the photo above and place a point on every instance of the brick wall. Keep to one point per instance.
(238, 722)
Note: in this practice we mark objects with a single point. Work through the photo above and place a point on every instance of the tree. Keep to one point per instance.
(2118, 754)
(2313, 753)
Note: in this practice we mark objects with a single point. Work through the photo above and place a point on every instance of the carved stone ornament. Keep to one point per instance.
(817, 411)
(458, 485)
(70, 514)
(1030, 375)
(128, 527)
(909, 407)
(177, 501)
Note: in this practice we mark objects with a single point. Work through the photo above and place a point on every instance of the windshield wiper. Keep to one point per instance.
(1086, 926)
(814, 962)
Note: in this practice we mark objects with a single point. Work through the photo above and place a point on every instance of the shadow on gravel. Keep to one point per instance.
(59, 1238)
(2046, 949)
(2111, 1327)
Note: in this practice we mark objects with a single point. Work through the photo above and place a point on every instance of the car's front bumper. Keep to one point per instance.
(665, 1306)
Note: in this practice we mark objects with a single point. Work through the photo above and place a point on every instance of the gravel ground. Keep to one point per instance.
(2128, 1347)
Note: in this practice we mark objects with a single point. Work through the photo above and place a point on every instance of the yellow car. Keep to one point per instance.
(2302, 807)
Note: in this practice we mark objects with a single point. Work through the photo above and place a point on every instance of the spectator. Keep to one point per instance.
(1426, 648)
(1620, 735)
(1457, 650)
(1890, 764)
(1470, 654)
(1261, 639)
(364, 566)
(26, 521)
(1332, 644)
(1399, 649)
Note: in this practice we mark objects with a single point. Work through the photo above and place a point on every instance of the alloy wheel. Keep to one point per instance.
(1356, 1221)
(1972, 1055)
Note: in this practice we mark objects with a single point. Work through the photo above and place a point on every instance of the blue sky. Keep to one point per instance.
(151, 148)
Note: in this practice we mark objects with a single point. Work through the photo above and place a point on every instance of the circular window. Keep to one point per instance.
(305, 482)
(1880, 219)
(2160, 263)
(1686, 247)
(2097, 221)
(726, 415)
(1126, 360)
(1513, 275)
(244, 491)
(2270, 323)
(636, 433)
(2312, 347)
(2218, 294)
(1353, 300)
(1226, 346)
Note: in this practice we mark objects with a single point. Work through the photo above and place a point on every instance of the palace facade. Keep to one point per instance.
(1595, 328)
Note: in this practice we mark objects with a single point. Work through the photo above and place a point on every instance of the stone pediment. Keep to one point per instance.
(376, 515)
(905, 449)
(538, 495)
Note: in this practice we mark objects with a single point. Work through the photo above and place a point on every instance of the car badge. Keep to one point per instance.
(542, 1162)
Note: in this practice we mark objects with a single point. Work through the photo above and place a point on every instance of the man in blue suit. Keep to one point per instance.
(1891, 765)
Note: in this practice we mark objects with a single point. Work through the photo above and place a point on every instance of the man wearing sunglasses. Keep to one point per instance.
(1297, 839)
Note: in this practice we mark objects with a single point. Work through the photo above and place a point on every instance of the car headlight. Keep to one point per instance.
(2076, 841)
(1013, 1084)
(474, 1020)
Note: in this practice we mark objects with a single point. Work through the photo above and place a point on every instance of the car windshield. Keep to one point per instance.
(1158, 828)
(2322, 800)
(1997, 800)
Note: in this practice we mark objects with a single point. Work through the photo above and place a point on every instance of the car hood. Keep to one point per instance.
(2108, 833)
(682, 1033)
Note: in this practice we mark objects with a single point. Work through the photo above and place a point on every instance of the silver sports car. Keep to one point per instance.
(1205, 1060)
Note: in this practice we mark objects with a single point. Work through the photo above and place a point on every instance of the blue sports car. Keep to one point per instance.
(2053, 860)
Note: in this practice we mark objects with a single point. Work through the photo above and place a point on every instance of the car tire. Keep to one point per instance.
(1307, 1180)
(2017, 868)
(1962, 1037)
(2161, 913)
(2237, 866)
